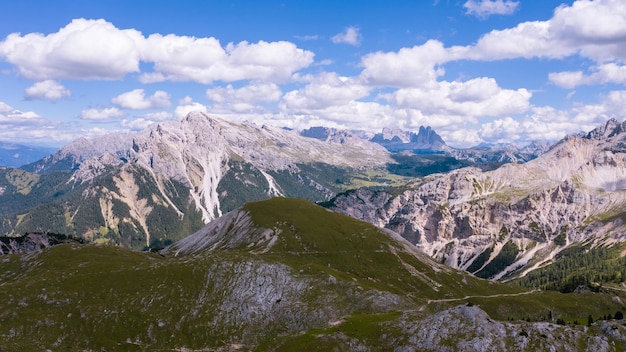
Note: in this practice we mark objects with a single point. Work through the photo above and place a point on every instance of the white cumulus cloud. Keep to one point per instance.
(47, 90)
(252, 93)
(502, 130)
(548, 123)
(83, 49)
(605, 73)
(11, 116)
(592, 29)
(566, 79)
(5, 108)
(101, 114)
(137, 124)
(473, 99)
(249, 98)
(187, 105)
(142, 122)
(18, 126)
(96, 49)
(324, 90)
(204, 60)
(136, 100)
(486, 8)
(416, 66)
(350, 35)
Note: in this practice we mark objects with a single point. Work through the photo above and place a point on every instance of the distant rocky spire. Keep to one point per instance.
(396, 140)
(609, 129)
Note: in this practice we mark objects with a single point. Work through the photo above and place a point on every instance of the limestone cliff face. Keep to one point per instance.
(575, 192)
(197, 151)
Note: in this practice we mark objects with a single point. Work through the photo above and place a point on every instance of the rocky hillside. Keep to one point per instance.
(150, 188)
(504, 223)
(33, 242)
(282, 275)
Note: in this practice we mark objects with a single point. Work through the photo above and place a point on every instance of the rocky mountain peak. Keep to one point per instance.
(206, 165)
(607, 130)
(396, 134)
(427, 135)
(575, 192)
(397, 140)
(333, 135)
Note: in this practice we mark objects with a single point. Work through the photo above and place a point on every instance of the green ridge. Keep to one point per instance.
(324, 267)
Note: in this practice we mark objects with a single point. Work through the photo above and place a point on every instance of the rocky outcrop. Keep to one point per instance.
(573, 193)
(32, 242)
(469, 328)
(231, 231)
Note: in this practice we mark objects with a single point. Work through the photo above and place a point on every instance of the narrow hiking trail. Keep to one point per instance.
(481, 296)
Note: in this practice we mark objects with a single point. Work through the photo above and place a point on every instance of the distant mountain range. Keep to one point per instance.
(394, 140)
(151, 188)
(499, 154)
(427, 141)
(16, 155)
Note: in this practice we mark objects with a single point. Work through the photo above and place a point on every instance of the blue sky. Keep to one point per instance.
(476, 71)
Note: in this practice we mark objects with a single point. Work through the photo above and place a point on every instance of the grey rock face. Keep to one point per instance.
(465, 328)
(232, 230)
(196, 151)
(396, 140)
(31, 242)
(568, 195)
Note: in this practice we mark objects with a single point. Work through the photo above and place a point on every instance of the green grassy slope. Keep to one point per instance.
(329, 281)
